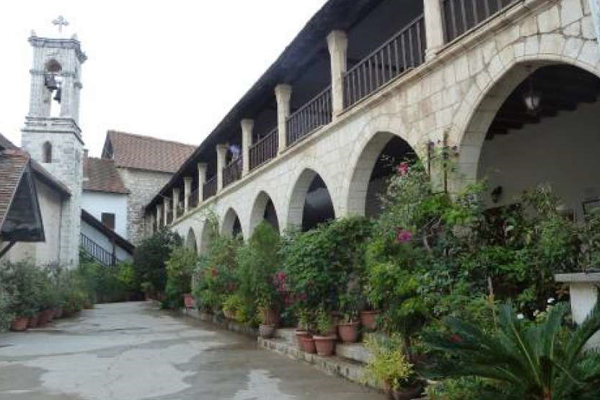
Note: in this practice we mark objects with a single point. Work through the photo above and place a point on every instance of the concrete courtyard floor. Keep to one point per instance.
(132, 351)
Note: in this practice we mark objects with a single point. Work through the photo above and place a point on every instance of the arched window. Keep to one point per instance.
(47, 153)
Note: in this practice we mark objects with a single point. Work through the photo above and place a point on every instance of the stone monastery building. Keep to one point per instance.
(508, 89)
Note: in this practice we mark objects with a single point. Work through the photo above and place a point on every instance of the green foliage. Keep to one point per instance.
(388, 364)
(258, 262)
(6, 315)
(523, 359)
(321, 263)
(106, 284)
(150, 258)
(23, 285)
(179, 276)
(467, 388)
(216, 275)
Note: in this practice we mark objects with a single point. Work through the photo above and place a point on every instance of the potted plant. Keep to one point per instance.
(189, 301)
(302, 331)
(325, 337)
(232, 306)
(266, 329)
(392, 369)
(348, 326)
(34, 320)
(19, 324)
(21, 282)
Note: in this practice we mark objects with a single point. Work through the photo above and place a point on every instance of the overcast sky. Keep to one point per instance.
(170, 69)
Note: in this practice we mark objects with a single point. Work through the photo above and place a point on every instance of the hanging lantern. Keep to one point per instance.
(532, 98)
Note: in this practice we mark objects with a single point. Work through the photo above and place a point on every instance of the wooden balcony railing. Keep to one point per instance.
(265, 149)
(313, 115)
(210, 188)
(233, 172)
(402, 52)
(193, 200)
(462, 15)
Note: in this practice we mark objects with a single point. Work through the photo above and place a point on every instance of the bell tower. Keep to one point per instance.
(51, 134)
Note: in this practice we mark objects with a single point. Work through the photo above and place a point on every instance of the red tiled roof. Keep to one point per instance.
(12, 164)
(37, 168)
(101, 175)
(146, 153)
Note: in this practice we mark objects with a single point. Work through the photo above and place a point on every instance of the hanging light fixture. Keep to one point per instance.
(532, 98)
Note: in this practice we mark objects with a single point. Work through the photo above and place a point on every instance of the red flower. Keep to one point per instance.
(403, 236)
(403, 168)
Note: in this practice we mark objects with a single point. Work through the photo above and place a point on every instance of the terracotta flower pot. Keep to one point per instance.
(369, 319)
(349, 332)
(45, 317)
(266, 331)
(325, 345)
(19, 324)
(300, 333)
(59, 313)
(34, 321)
(52, 315)
(189, 301)
(308, 344)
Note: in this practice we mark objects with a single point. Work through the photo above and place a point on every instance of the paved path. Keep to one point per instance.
(132, 352)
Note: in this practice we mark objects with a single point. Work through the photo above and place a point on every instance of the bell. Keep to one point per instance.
(51, 83)
(58, 96)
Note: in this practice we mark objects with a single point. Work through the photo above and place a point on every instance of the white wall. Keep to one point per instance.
(563, 151)
(97, 203)
(48, 251)
(100, 239)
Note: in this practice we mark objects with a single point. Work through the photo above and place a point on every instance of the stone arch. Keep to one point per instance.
(262, 205)
(190, 242)
(359, 175)
(231, 225)
(477, 112)
(299, 193)
(47, 152)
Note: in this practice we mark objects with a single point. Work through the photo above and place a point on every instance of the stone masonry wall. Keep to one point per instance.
(143, 185)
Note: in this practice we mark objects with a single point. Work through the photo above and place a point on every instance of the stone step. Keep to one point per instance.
(356, 352)
(286, 334)
(335, 365)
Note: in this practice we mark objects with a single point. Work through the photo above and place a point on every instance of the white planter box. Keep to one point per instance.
(584, 295)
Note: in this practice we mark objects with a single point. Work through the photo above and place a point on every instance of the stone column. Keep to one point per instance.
(166, 210)
(176, 193)
(337, 41)
(187, 192)
(221, 163)
(283, 93)
(247, 127)
(202, 168)
(434, 27)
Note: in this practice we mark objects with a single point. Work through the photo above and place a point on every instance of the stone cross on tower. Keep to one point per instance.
(60, 22)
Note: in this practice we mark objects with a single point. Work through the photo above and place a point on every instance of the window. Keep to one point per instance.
(108, 220)
(47, 153)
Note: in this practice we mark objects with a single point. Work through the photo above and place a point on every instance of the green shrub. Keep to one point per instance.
(150, 258)
(179, 276)
(5, 315)
(23, 285)
(388, 364)
(258, 263)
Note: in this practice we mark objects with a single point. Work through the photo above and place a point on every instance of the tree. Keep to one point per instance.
(524, 360)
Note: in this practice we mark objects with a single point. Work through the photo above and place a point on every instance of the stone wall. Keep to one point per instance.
(454, 96)
(143, 186)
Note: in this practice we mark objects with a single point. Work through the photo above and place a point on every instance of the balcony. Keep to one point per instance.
(404, 51)
(264, 150)
(233, 172)
(461, 15)
(310, 117)
(210, 188)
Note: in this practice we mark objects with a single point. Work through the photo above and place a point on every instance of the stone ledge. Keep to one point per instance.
(581, 277)
(222, 323)
(350, 370)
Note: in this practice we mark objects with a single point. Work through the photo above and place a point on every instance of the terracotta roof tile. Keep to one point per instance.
(101, 175)
(147, 153)
(12, 164)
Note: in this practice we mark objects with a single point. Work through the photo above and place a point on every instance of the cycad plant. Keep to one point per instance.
(524, 360)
